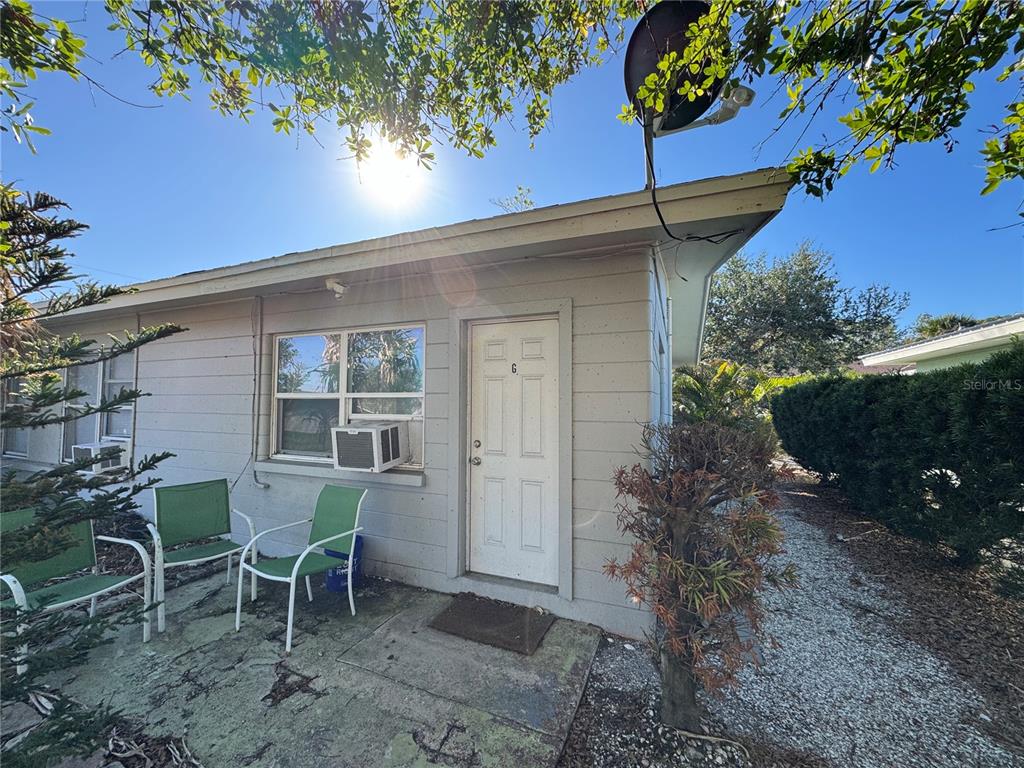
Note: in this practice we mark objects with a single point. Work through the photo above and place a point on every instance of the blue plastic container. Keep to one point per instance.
(335, 579)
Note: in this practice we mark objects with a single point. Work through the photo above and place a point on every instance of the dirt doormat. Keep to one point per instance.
(492, 622)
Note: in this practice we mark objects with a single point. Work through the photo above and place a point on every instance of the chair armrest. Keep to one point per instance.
(320, 543)
(282, 527)
(157, 543)
(139, 549)
(271, 530)
(249, 522)
(16, 589)
(332, 538)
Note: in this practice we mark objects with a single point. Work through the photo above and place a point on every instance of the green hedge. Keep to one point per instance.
(937, 455)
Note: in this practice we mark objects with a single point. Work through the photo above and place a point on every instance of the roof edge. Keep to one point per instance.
(625, 211)
(975, 337)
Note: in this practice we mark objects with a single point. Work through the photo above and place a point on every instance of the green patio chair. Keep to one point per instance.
(26, 580)
(184, 515)
(335, 521)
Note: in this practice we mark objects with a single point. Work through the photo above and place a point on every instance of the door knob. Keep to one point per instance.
(475, 461)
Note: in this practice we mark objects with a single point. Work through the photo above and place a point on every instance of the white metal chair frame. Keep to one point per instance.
(160, 565)
(21, 599)
(291, 580)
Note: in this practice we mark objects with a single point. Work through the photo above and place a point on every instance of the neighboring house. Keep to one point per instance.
(866, 370)
(523, 352)
(967, 345)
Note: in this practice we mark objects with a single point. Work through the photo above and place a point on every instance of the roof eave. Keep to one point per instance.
(611, 220)
(970, 340)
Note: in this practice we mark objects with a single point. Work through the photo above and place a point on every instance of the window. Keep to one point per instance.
(15, 440)
(326, 379)
(118, 374)
(100, 381)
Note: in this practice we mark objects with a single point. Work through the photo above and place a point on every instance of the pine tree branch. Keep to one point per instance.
(132, 341)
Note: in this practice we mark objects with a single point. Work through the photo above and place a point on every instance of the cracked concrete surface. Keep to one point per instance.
(378, 689)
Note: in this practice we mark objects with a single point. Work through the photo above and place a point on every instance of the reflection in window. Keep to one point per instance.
(383, 380)
(306, 426)
(308, 363)
(14, 439)
(387, 406)
(386, 361)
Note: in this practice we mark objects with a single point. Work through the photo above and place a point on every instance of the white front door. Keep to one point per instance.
(513, 450)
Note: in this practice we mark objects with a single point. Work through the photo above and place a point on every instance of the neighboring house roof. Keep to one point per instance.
(994, 333)
(740, 204)
(878, 369)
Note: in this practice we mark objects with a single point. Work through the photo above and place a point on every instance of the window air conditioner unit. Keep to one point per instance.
(85, 451)
(370, 446)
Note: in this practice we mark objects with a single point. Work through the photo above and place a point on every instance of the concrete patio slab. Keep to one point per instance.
(530, 691)
(377, 689)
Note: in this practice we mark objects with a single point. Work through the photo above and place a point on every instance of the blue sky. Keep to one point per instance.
(178, 187)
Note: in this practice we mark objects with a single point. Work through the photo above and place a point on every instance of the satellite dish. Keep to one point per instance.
(660, 31)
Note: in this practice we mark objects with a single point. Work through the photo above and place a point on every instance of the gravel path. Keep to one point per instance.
(844, 684)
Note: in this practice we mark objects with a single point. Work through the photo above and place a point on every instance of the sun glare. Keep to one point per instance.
(391, 179)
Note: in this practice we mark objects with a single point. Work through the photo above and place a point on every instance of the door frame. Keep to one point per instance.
(459, 321)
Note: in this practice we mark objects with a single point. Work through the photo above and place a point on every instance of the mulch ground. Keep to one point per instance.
(956, 614)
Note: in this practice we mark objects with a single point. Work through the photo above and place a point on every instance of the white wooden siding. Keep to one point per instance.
(202, 387)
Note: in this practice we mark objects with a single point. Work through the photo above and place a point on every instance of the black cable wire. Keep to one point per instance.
(716, 239)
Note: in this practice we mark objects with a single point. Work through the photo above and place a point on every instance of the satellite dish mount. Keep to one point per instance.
(661, 31)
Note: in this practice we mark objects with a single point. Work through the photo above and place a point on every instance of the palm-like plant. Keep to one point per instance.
(725, 392)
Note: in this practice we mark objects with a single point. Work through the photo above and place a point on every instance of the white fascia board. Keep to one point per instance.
(604, 221)
(967, 341)
(690, 268)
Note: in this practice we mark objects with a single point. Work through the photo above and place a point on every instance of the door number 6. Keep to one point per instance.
(513, 367)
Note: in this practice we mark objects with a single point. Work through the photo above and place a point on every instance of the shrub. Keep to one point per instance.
(698, 508)
(937, 455)
(699, 565)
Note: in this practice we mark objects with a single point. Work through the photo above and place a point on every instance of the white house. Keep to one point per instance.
(964, 345)
(533, 346)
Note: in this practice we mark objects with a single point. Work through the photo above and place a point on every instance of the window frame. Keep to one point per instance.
(4, 433)
(343, 395)
(105, 381)
(99, 435)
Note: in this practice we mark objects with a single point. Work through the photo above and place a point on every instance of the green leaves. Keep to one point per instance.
(706, 60)
(30, 44)
(935, 455)
(418, 72)
(522, 200)
(911, 67)
(282, 119)
(408, 71)
(793, 315)
(1004, 152)
(906, 68)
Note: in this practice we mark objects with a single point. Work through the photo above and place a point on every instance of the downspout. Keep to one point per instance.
(670, 366)
(257, 373)
(665, 309)
(256, 324)
(135, 405)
